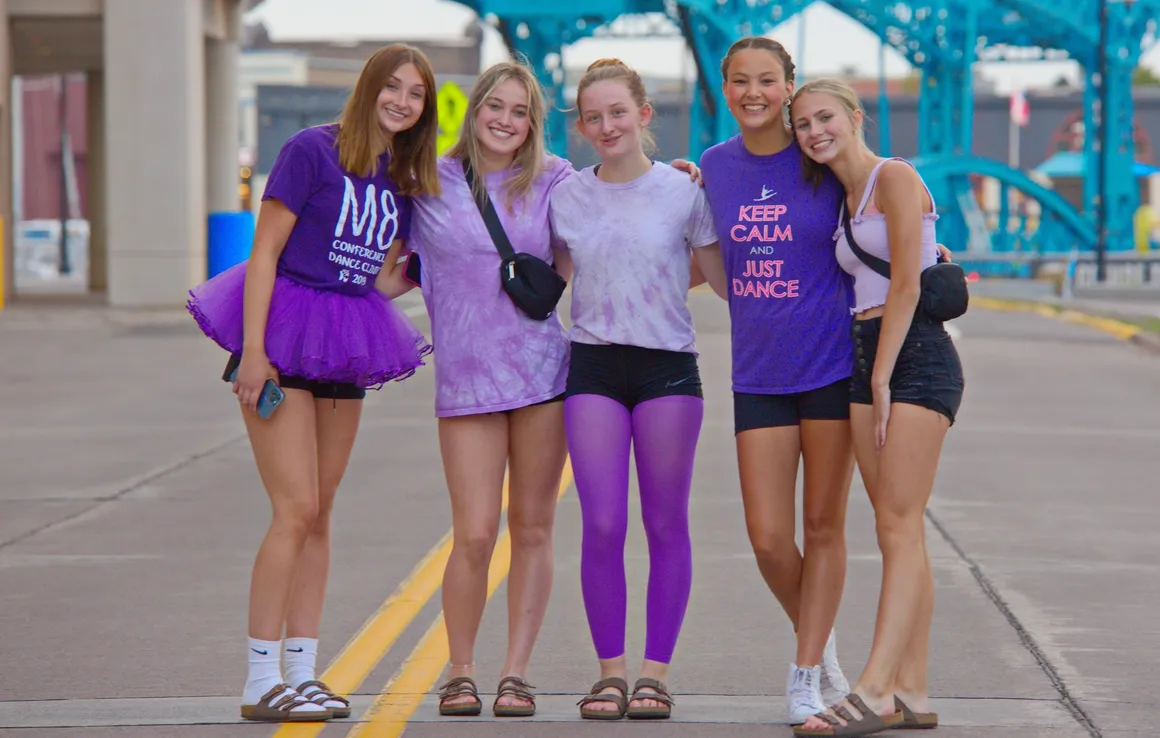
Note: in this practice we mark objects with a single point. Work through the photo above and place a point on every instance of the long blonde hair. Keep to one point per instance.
(530, 158)
(413, 158)
(844, 94)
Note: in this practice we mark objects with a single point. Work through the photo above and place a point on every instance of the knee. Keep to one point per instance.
(821, 531)
(476, 546)
(897, 530)
(298, 514)
(771, 546)
(605, 531)
(529, 532)
(666, 529)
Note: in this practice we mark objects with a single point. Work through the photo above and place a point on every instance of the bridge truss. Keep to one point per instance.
(942, 39)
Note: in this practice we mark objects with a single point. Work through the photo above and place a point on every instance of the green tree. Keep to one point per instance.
(1145, 76)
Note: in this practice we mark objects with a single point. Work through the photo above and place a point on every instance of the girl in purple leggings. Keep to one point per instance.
(628, 226)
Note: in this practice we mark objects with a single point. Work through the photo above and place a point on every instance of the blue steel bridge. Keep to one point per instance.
(941, 39)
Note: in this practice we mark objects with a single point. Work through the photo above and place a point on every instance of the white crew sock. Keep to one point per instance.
(264, 670)
(299, 655)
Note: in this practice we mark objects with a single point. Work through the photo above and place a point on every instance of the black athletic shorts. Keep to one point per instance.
(753, 411)
(927, 373)
(631, 374)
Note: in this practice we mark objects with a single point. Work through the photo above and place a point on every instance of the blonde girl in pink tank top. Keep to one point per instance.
(905, 392)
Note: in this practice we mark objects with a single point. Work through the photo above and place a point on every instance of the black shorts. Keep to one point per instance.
(753, 411)
(927, 372)
(320, 390)
(549, 401)
(631, 374)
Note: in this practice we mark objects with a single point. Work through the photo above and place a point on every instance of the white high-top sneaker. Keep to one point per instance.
(802, 697)
(833, 682)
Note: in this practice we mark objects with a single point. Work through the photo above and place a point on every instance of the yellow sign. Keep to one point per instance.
(452, 113)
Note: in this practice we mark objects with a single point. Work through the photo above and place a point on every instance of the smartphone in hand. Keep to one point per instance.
(272, 395)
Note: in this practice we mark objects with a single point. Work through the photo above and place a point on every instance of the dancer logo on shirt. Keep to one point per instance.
(758, 227)
(378, 217)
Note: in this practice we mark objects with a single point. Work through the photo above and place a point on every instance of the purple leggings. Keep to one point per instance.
(663, 434)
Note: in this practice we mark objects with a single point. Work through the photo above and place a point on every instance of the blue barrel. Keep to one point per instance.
(230, 239)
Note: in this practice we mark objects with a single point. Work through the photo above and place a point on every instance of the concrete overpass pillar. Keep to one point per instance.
(221, 109)
(7, 246)
(155, 183)
(97, 167)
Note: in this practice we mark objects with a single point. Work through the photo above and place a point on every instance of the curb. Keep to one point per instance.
(1134, 334)
(1150, 342)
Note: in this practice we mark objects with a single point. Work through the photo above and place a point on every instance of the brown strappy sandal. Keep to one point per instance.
(458, 687)
(661, 712)
(594, 695)
(283, 710)
(912, 720)
(513, 686)
(318, 693)
(870, 723)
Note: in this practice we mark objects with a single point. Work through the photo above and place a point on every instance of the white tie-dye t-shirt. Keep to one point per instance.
(630, 244)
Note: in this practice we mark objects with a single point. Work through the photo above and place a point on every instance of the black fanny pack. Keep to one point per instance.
(944, 293)
(531, 283)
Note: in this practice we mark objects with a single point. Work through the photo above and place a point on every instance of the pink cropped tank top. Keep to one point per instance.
(869, 230)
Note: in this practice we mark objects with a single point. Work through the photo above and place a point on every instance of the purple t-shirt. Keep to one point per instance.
(789, 301)
(489, 355)
(345, 222)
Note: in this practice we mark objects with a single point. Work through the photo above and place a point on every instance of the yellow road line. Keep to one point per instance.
(1118, 328)
(388, 714)
(366, 648)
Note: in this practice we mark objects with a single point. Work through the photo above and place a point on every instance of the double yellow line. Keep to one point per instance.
(388, 715)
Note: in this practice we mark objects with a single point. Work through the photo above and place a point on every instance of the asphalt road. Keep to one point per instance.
(130, 511)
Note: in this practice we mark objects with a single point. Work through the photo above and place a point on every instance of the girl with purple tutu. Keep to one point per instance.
(309, 311)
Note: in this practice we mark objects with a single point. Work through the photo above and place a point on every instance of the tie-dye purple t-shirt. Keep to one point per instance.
(630, 245)
(489, 356)
(789, 301)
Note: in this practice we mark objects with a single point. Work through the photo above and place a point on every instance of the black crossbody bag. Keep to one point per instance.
(944, 294)
(531, 283)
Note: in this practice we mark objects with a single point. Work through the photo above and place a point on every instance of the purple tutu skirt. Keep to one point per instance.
(315, 334)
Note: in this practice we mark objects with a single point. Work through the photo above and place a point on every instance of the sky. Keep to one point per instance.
(833, 41)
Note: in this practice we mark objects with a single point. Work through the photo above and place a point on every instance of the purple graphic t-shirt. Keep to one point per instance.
(631, 244)
(345, 222)
(489, 355)
(789, 301)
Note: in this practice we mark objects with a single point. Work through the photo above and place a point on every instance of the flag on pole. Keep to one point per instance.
(1020, 109)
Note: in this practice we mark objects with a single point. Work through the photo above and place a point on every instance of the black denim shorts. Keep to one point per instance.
(753, 411)
(927, 372)
(631, 374)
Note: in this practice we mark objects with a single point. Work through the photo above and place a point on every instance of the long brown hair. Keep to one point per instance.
(413, 151)
(529, 160)
(603, 70)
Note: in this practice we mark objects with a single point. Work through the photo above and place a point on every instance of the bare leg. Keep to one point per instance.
(336, 424)
(899, 480)
(286, 454)
(474, 449)
(536, 438)
(767, 459)
(829, 466)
